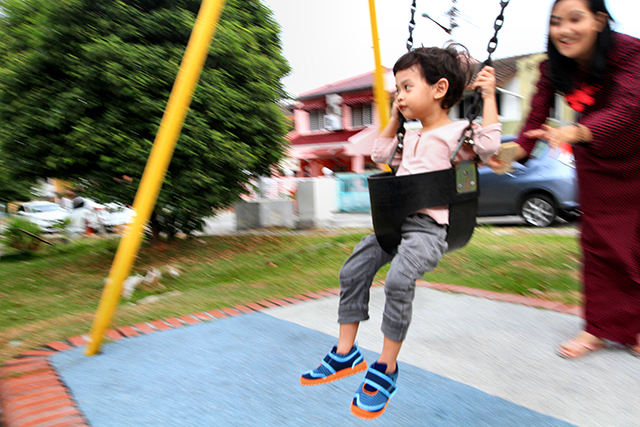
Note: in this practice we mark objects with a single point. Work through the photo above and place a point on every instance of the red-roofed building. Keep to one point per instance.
(336, 124)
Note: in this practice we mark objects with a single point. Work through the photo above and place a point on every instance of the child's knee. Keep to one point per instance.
(397, 283)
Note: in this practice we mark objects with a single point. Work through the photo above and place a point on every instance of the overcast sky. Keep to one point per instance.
(330, 40)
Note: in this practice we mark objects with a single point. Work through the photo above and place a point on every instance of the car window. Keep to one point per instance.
(45, 208)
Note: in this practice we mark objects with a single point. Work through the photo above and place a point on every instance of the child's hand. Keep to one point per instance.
(394, 109)
(486, 81)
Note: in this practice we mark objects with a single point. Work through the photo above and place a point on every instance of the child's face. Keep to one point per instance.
(414, 96)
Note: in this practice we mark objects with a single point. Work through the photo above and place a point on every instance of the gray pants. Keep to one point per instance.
(423, 244)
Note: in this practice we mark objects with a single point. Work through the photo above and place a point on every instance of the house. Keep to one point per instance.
(336, 124)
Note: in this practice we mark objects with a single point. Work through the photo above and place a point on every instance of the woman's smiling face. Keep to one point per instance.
(574, 28)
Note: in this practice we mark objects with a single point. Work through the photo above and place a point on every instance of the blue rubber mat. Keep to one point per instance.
(244, 371)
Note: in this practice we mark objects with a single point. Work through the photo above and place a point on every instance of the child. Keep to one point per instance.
(429, 82)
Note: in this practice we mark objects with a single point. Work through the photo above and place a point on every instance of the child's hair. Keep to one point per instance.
(563, 69)
(452, 62)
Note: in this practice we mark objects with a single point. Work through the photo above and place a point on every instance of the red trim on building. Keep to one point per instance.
(325, 137)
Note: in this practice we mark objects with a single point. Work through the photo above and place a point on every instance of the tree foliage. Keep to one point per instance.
(84, 84)
(12, 188)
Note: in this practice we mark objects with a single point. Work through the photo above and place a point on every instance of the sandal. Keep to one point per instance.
(372, 398)
(582, 349)
(335, 366)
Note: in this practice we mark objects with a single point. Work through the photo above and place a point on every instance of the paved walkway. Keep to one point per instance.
(472, 358)
(468, 361)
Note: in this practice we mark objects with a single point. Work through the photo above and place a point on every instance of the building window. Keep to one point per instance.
(361, 115)
(316, 120)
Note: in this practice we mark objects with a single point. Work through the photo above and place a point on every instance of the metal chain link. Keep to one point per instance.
(401, 129)
(499, 22)
(412, 25)
(475, 108)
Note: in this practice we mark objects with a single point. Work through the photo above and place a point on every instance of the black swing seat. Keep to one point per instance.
(394, 198)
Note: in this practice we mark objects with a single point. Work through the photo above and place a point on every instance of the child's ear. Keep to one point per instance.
(441, 88)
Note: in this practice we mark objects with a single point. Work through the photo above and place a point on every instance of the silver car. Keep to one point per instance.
(541, 189)
(48, 216)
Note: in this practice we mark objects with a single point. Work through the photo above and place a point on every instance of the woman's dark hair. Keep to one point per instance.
(564, 69)
(452, 63)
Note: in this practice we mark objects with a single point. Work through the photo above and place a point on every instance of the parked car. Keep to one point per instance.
(48, 216)
(541, 189)
(117, 214)
(90, 216)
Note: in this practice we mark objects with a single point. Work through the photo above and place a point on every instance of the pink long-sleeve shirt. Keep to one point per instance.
(431, 150)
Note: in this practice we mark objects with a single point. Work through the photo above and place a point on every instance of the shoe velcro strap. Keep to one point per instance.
(380, 388)
(326, 364)
(380, 381)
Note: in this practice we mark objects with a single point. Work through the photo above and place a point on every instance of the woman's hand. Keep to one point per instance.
(486, 81)
(571, 134)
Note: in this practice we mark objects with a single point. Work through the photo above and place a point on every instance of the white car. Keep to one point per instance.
(87, 214)
(117, 214)
(48, 216)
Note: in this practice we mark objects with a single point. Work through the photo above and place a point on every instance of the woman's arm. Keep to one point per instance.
(540, 107)
(614, 129)
(539, 112)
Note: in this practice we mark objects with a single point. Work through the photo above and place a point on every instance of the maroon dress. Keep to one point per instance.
(608, 171)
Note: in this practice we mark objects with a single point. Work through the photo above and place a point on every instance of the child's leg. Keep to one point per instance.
(356, 277)
(347, 338)
(423, 244)
(389, 355)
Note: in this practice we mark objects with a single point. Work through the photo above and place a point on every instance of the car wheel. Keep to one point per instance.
(538, 210)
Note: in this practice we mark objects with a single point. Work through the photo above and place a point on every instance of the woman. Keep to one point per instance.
(597, 70)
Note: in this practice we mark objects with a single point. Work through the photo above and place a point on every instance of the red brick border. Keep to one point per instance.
(576, 310)
(33, 395)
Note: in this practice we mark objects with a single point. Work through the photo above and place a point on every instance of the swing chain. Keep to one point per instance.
(401, 129)
(412, 25)
(475, 108)
(497, 25)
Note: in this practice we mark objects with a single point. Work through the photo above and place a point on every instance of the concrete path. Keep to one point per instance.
(468, 361)
(471, 359)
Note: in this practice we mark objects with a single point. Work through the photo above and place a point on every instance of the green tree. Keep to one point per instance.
(12, 189)
(84, 84)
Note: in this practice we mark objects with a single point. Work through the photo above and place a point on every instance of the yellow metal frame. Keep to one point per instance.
(164, 145)
(381, 96)
(156, 168)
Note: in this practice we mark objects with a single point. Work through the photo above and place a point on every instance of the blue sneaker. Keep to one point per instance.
(374, 393)
(335, 366)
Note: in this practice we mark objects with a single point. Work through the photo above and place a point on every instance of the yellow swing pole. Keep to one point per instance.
(381, 96)
(157, 164)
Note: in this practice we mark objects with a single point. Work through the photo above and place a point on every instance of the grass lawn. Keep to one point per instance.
(54, 293)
